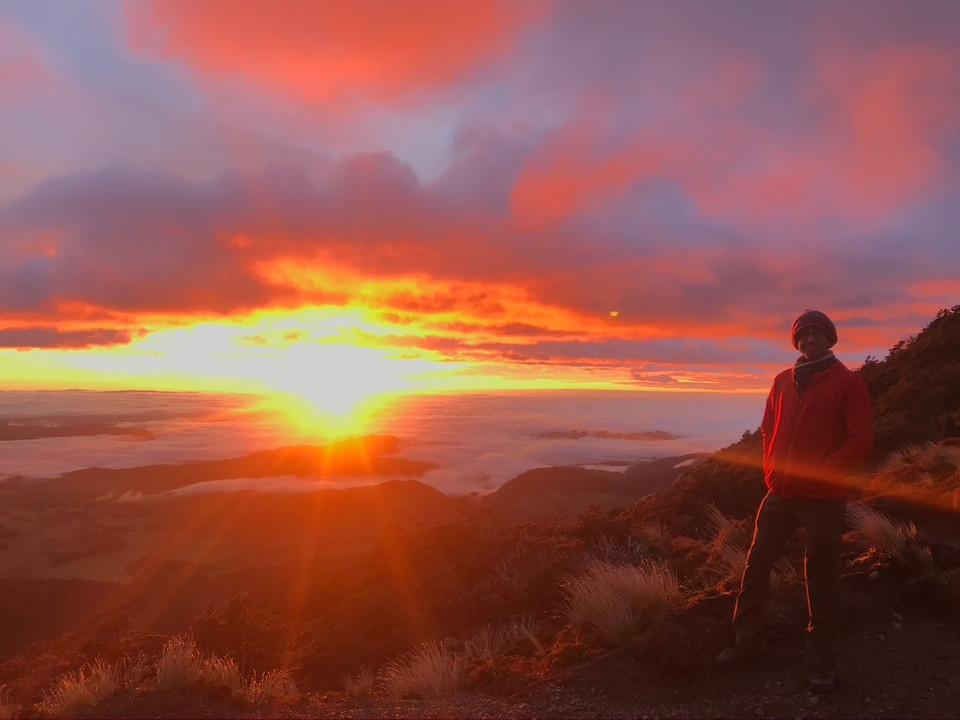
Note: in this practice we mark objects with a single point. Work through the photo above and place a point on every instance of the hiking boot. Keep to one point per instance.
(823, 679)
(743, 652)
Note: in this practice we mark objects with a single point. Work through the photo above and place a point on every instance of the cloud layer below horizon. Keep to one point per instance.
(477, 442)
(644, 193)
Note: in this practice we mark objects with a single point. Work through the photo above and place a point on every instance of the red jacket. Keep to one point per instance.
(812, 442)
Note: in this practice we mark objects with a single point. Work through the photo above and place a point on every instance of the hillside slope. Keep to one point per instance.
(564, 492)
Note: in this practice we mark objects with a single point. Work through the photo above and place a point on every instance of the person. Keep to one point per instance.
(817, 430)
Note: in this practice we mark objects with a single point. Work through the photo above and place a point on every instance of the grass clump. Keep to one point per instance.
(930, 459)
(221, 672)
(274, 685)
(527, 627)
(8, 708)
(879, 531)
(81, 689)
(492, 640)
(180, 664)
(729, 549)
(360, 685)
(429, 671)
(488, 642)
(618, 601)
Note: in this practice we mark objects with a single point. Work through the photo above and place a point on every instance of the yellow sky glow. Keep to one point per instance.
(324, 367)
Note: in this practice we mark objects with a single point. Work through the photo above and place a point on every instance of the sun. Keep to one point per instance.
(333, 390)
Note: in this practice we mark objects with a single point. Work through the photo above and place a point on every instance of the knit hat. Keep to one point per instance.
(818, 319)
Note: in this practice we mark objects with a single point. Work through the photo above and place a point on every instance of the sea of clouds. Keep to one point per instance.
(477, 441)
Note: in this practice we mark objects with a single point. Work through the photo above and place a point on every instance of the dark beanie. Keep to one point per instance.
(815, 317)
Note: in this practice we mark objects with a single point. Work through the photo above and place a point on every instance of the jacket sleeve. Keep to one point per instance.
(769, 417)
(857, 447)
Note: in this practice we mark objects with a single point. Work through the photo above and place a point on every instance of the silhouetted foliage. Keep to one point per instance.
(245, 630)
(916, 388)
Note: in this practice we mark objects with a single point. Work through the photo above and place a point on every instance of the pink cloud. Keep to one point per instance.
(755, 134)
(898, 117)
(317, 51)
(22, 68)
(571, 171)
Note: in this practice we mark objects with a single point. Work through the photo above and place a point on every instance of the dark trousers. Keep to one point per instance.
(777, 519)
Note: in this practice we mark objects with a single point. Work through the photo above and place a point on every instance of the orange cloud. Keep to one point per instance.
(318, 51)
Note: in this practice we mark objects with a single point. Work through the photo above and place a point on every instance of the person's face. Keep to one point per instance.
(813, 342)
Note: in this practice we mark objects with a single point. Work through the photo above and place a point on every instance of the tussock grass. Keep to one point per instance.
(608, 550)
(728, 549)
(527, 627)
(180, 665)
(429, 671)
(274, 685)
(8, 708)
(360, 684)
(924, 474)
(728, 562)
(784, 572)
(726, 529)
(617, 601)
(222, 672)
(81, 689)
(879, 531)
(134, 671)
(492, 640)
(929, 458)
(488, 642)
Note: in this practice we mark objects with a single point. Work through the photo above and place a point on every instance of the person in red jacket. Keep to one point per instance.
(817, 430)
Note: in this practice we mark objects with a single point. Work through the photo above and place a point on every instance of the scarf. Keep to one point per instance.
(805, 370)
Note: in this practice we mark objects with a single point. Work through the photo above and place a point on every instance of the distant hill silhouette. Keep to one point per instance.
(356, 457)
(564, 492)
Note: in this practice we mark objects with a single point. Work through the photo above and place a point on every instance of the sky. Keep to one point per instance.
(348, 198)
